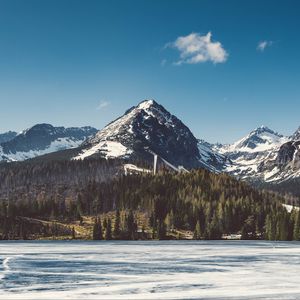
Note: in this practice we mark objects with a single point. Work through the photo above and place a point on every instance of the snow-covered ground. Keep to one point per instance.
(150, 270)
(56, 145)
(109, 149)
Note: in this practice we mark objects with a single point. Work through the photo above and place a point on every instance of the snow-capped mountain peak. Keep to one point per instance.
(258, 140)
(146, 104)
(147, 127)
(249, 153)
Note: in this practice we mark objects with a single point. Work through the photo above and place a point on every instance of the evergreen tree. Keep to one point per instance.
(296, 229)
(248, 231)
(131, 226)
(117, 230)
(214, 232)
(23, 232)
(97, 230)
(270, 228)
(197, 231)
(73, 233)
(161, 230)
(108, 235)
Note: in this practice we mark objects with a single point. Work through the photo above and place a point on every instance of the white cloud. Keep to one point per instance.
(263, 45)
(103, 104)
(195, 48)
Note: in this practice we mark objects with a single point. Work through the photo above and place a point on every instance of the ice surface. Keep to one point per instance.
(150, 270)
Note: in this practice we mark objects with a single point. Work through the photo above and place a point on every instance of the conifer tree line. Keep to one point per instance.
(204, 204)
(124, 228)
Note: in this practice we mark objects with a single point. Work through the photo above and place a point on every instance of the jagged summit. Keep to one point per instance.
(260, 139)
(261, 129)
(296, 135)
(145, 104)
(145, 127)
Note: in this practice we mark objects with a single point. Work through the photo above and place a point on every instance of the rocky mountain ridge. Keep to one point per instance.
(41, 139)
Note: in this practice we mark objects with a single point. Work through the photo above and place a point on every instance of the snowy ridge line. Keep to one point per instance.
(42, 139)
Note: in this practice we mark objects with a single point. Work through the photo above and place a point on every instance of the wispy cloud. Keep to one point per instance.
(163, 62)
(195, 48)
(103, 104)
(262, 45)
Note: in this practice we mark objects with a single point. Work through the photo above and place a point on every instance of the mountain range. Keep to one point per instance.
(41, 139)
(147, 129)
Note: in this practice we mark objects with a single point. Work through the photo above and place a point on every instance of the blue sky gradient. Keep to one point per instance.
(76, 63)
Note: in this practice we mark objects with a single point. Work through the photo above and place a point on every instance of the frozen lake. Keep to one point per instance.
(150, 270)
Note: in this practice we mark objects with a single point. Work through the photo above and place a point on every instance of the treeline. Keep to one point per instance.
(25, 176)
(289, 188)
(125, 227)
(207, 205)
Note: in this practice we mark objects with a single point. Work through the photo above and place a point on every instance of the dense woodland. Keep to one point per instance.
(203, 204)
(290, 189)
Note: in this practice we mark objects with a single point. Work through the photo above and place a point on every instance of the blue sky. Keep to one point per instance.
(222, 67)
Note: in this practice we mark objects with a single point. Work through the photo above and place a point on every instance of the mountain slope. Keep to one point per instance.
(41, 139)
(286, 164)
(249, 153)
(211, 157)
(263, 156)
(7, 136)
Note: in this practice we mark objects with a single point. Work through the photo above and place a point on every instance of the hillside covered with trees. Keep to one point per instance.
(58, 198)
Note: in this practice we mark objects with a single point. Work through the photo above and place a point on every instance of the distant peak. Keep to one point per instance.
(262, 129)
(41, 126)
(296, 135)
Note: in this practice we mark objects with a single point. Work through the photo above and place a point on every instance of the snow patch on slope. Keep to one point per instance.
(57, 145)
(109, 149)
(210, 157)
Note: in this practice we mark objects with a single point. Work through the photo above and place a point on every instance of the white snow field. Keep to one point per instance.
(150, 270)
